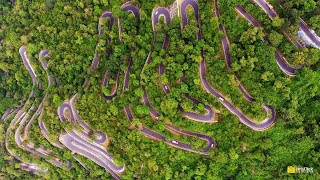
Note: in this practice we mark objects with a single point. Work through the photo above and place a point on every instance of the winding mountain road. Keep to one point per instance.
(210, 115)
(226, 50)
(44, 54)
(281, 61)
(27, 121)
(26, 62)
(23, 113)
(267, 123)
(95, 61)
(80, 144)
(79, 141)
(156, 14)
(153, 134)
(267, 8)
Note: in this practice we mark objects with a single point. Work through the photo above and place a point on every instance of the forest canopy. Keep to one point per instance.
(230, 92)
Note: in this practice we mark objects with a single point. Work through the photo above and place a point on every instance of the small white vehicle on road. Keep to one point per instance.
(174, 142)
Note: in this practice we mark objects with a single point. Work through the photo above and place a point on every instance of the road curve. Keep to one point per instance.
(106, 14)
(281, 61)
(226, 50)
(8, 113)
(32, 168)
(183, 6)
(79, 144)
(27, 122)
(79, 141)
(128, 7)
(156, 15)
(26, 62)
(95, 60)
(28, 166)
(41, 151)
(133, 9)
(210, 141)
(209, 116)
(105, 81)
(175, 143)
(100, 137)
(21, 114)
(267, 123)
(42, 55)
(144, 130)
(272, 14)
(74, 117)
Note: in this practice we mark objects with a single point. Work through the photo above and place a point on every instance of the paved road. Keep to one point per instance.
(62, 109)
(79, 141)
(7, 113)
(82, 164)
(159, 137)
(258, 127)
(178, 144)
(13, 2)
(100, 137)
(44, 54)
(281, 61)
(21, 115)
(27, 121)
(247, 16)
(104, 83)
(115, 87)
(74, 117)
(157, 13)
(308, 32)
(210, 141)
(183, 6)
(41, 151)
(272, 14)
(292, 39)
(95, 61)
(106, 14)
(33, 168)
(26, 62)
(267, 8)
(133, 9)
(209, 117)
(18, 116)
(226, 50)
(128, 7)
(202, 72)
(80, 144)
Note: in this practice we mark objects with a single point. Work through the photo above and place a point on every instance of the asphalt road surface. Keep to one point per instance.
(281, 61)
(267, 123)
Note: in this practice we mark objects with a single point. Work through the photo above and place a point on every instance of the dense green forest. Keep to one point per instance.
(70, 32)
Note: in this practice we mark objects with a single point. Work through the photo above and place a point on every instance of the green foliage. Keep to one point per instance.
(69, 31)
